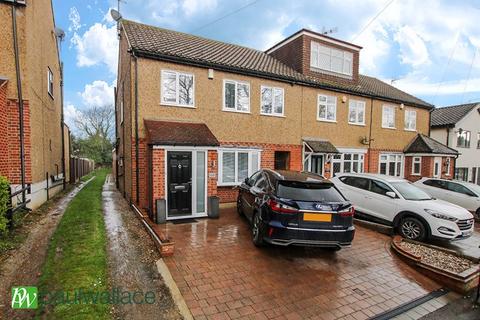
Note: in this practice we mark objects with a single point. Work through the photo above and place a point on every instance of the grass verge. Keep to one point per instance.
(77, 257)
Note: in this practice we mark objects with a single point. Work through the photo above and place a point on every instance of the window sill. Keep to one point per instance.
(273, 115)
(233, 184)
(391, 128)
(325, 120)
(410, 130)
(163, 104)
(416, 174)
(357, 124)
(236, 111)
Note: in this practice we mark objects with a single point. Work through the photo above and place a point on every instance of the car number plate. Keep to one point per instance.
(319, 217)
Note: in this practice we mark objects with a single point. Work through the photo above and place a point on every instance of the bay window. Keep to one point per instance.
(177, 88)
(272, 101)
(236, 96)
(347, 162)
(234, 165)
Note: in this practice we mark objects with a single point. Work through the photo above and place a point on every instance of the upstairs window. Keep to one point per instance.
(411, 120)
(388, 117)
(463, 139)
(356, 112)
(50, 82)
(331, 59)
(327, 108)
(177, 88)
(272, 101)
(236, 96)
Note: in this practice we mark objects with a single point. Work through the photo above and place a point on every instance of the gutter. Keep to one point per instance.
(269, 76)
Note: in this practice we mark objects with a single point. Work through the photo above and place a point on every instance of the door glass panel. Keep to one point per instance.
(255, 162)
(200, 180)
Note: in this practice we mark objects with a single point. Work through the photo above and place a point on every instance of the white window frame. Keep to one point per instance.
(385, 110)
(387, 162)
(410, 113)
(236, 151)
(347, 57)
(50, 81)
(416, 160)
(273, 113)
(236, 82)
(177, 91)
(449, 164)
(467, 134)
(341, 161)
(356, 106)
(327, 105)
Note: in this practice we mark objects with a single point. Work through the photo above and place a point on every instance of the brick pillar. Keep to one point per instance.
(212, 172)
(158, 175)
(3, 132)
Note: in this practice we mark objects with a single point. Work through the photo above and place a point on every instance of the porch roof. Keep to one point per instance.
(179, 134)
(321, 146)
(424, 144)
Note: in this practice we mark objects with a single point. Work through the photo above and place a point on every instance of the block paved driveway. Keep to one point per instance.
(222, 275)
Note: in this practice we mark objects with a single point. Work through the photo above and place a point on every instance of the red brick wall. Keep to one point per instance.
(143, 173)
(158, 175)
(212, 172)
(3, 133)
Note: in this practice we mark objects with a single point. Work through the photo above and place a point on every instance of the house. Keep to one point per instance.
(459, 127)
(32, 153)
(196, 116)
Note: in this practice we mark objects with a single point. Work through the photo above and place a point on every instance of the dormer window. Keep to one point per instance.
(330, 59)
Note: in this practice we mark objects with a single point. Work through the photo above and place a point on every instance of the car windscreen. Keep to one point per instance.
(309, 192)
(410, 192)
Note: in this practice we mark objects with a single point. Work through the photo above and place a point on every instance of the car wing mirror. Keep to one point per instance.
(247, 181)
(391, 194)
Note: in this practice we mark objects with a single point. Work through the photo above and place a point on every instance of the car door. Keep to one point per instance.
(436, 188)
(248, 197)
(379, 204)
(354, 188)
(461, 195)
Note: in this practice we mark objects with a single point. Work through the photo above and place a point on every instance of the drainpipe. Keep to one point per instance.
(370, 136)
(137, 172)
(62, 125)
(20, 101)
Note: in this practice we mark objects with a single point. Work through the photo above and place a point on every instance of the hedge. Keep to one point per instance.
(4, 203)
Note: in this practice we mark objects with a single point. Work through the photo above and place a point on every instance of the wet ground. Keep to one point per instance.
(222, 275)
(469, 246)
(23, 267)
(132, 257)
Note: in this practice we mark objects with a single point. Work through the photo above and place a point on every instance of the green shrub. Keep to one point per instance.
(4, 203)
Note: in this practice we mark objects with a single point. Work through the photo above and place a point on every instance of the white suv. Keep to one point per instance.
(411, 211)
(464, 194)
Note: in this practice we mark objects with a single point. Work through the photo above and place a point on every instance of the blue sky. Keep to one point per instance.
(429, 48)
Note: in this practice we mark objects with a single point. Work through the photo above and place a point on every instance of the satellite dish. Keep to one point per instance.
(115, 14)
(59, 33)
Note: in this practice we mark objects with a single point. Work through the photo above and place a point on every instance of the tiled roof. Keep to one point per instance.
(424, 144)
(449, 116)
(166, 44)
(179, 134)
(321, 146)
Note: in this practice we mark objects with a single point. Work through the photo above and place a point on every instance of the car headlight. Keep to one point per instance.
(440, 215)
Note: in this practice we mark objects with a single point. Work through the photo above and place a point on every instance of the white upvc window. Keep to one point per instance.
(348, 162)
(177, 89)
(236, 96)
(416, 166)
(271, 101)
(356, 112)
(50, 81)
(388, 117)
(410, 120)
(234, 165)
(327, 108)
(391, 164)
(331, 59)
(448, 166)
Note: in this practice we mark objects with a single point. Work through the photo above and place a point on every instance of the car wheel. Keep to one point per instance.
(412, 228)
(257, 230)
(239, 206)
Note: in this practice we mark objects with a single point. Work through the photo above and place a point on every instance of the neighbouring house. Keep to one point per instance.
(196, 116)
(459, 127)
(32, 152)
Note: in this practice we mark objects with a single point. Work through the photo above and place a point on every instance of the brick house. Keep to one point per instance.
(31, 142)
(195, 116)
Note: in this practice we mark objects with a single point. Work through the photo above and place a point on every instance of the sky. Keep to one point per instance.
(428, 48)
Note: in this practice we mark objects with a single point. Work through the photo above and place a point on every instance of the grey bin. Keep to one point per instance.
(213, 207)
(161, 214)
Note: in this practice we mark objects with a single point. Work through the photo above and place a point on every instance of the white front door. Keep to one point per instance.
(437, 167)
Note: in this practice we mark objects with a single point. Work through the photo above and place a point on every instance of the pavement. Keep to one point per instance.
(469, 247)
(222, 275)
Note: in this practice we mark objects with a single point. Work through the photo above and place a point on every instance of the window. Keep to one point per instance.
(410, 120)
(391, 164)
(461, 174)
(416, 166)
(347, 162)
(331, 59)
(282, 160)
(177, 88)
(309, 192)
(379, 187)
(50, 82)
(441, 184)
(356, 112)
(447, 164)
(458, 188)
(463, 139)
(326, 108)
(272, 101)
(121, 112)
(360, 183)
(236, 165)
(388, 117)
(236, 96)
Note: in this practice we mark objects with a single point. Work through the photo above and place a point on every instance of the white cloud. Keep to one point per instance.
(97, 46)
(74, 18)
(376, 48)
(425, 87)
(70, 114)
(413, 50)
(98, 93)
(191, 7)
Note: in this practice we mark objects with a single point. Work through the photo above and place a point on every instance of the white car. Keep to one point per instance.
(410, 210)
(464, 194)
